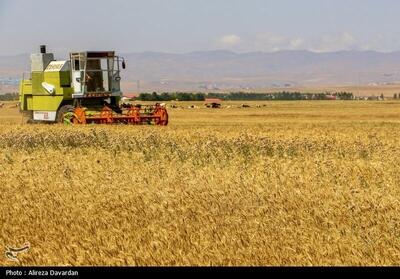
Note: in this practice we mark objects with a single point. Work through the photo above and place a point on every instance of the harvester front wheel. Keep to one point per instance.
(65, 114)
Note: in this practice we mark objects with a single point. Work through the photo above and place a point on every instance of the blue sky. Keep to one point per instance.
(195, 25)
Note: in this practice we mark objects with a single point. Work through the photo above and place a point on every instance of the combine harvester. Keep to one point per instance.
(82, 90)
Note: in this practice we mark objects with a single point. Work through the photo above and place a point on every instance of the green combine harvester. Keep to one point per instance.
(82, 90)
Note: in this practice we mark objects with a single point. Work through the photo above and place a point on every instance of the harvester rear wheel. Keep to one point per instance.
(65, 114)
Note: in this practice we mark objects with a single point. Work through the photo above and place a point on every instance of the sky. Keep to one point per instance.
(180, 26)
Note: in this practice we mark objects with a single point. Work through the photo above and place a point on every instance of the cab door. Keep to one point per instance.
(77, 77)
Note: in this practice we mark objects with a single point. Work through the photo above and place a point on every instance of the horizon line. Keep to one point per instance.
(227, 51)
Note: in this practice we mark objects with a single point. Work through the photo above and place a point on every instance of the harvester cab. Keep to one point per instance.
(82, 90)
(95, 73)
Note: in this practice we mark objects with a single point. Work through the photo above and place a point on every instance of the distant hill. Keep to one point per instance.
(215, 70)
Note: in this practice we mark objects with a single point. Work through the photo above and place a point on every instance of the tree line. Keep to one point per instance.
(242, 96)
(9, 97)
(235, 96)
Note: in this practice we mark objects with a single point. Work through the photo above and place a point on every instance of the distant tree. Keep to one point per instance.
(395, 96)
(242, 96)
(9, 97)
(344, 95)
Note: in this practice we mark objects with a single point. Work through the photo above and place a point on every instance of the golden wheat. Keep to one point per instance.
(292, 183)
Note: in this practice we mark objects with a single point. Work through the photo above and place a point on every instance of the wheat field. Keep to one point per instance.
(283, 184)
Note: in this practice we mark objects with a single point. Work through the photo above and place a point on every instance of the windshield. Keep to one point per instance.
(97, 75)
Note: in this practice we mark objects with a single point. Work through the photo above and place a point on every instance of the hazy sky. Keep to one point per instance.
(195, 25)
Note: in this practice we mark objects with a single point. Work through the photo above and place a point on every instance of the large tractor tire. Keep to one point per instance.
(65, 114)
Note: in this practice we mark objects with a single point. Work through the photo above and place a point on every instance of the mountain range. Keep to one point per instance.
(219, 70)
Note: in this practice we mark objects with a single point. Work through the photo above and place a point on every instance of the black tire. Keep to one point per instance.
(62, 111)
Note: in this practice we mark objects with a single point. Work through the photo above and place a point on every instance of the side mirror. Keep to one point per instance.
(123, 64)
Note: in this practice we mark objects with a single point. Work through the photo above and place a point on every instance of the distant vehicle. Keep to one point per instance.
(213, 103)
